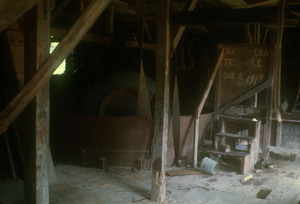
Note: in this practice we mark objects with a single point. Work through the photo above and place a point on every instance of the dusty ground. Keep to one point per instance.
(123, 185)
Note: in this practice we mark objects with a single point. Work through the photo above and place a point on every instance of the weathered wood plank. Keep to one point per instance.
(162, 112)
(183, 172)
(44, 73)
(10, 11)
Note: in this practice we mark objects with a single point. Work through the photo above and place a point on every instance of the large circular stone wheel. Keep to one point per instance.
(115, 95)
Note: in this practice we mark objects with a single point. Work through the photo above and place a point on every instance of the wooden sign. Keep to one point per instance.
(244, 66)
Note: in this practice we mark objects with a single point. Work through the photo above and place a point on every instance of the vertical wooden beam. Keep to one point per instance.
(278, 133)
(196, 141)
(277, 84)
(162, 112)
(266, 140)
(216, 109)
(37, 44)
(267, 126)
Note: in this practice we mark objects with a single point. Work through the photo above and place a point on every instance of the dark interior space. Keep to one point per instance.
(164, 100)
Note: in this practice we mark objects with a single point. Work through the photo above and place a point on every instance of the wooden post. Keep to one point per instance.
(277, 88)
(201, 105)
(162, 112)
(266, 140)
(196, 140)
(278, 133)
(44, 73)
(277, 83)
(267, 126)
(36, 141)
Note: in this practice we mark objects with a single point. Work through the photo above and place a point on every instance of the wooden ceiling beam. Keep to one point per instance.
(10, 11)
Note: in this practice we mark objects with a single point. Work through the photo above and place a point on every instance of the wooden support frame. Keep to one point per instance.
(162, 112)
(44, 73)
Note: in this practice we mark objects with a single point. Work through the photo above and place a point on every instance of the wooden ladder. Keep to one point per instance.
(234, 132)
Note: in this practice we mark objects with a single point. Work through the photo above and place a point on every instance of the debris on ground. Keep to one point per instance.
(263, 193)
(183, 172)
(247, 178)
(209, 166)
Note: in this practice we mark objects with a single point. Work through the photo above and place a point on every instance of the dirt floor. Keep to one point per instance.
(280, 184)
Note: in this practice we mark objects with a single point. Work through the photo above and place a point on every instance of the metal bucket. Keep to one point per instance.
(209, 166)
